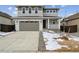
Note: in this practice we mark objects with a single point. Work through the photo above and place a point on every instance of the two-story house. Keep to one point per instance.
(36, 18)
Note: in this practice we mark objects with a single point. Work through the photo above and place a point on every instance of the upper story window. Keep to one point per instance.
(29, 10)
(54, 11)
(23, 10)
(50, 11)
(47, 11)
(36, 10)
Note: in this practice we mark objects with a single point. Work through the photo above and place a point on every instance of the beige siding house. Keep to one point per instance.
(36, 18)
(5, 21)
(72, 20)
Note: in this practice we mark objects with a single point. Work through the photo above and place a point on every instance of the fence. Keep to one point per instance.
(7, 28)
(70, 29)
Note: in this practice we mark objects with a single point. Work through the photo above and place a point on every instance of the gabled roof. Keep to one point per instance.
(73, 17)
(5, 15)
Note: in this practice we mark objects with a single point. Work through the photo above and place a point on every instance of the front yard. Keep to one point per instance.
(55, 42)
(28, 41)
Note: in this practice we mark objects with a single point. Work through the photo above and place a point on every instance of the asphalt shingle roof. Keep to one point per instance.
(5, 15)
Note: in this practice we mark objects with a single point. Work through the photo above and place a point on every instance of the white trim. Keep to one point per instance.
(48, 23)
(40, 25)
(59, 23)
(17, 25)
(18, 21)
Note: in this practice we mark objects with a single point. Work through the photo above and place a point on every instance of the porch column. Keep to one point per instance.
(48, 23)
(59, 23)
(17, 25)
(41, 25)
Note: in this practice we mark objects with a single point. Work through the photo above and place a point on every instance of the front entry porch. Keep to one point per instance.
(52, 24)
(45, 24)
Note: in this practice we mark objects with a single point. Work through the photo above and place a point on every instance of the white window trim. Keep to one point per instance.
(22, 9)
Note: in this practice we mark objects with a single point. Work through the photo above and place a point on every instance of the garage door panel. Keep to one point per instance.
(29, 26)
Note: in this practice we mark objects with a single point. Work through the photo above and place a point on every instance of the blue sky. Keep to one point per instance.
(65, 10)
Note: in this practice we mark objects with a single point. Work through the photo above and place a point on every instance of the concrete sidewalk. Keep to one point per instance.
(23, 41)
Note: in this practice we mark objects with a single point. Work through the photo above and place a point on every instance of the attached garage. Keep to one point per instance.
(29, 25)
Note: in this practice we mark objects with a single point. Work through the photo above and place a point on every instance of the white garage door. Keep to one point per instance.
(29, 26)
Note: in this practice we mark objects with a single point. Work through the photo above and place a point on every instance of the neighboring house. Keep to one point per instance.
(36, 18)
(6, 22)
(72, 21)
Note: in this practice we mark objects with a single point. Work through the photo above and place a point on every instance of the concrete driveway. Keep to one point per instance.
(23, 41)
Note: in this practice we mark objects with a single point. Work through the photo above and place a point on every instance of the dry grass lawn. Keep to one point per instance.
(73, 46)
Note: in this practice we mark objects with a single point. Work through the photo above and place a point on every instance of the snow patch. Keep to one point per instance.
(4, 33)
(51, 43)
(76, 38)
(59, 40)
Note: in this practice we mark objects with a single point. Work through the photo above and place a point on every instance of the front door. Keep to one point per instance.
(44, 23)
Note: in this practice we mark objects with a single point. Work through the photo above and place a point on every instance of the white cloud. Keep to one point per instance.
(9, 8)
(63, 6)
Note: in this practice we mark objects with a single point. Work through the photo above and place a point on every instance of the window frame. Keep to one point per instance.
(47, 11)
(23, 10)
(50, 11)
(36, 10)
(54, 11)
(30, 10)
